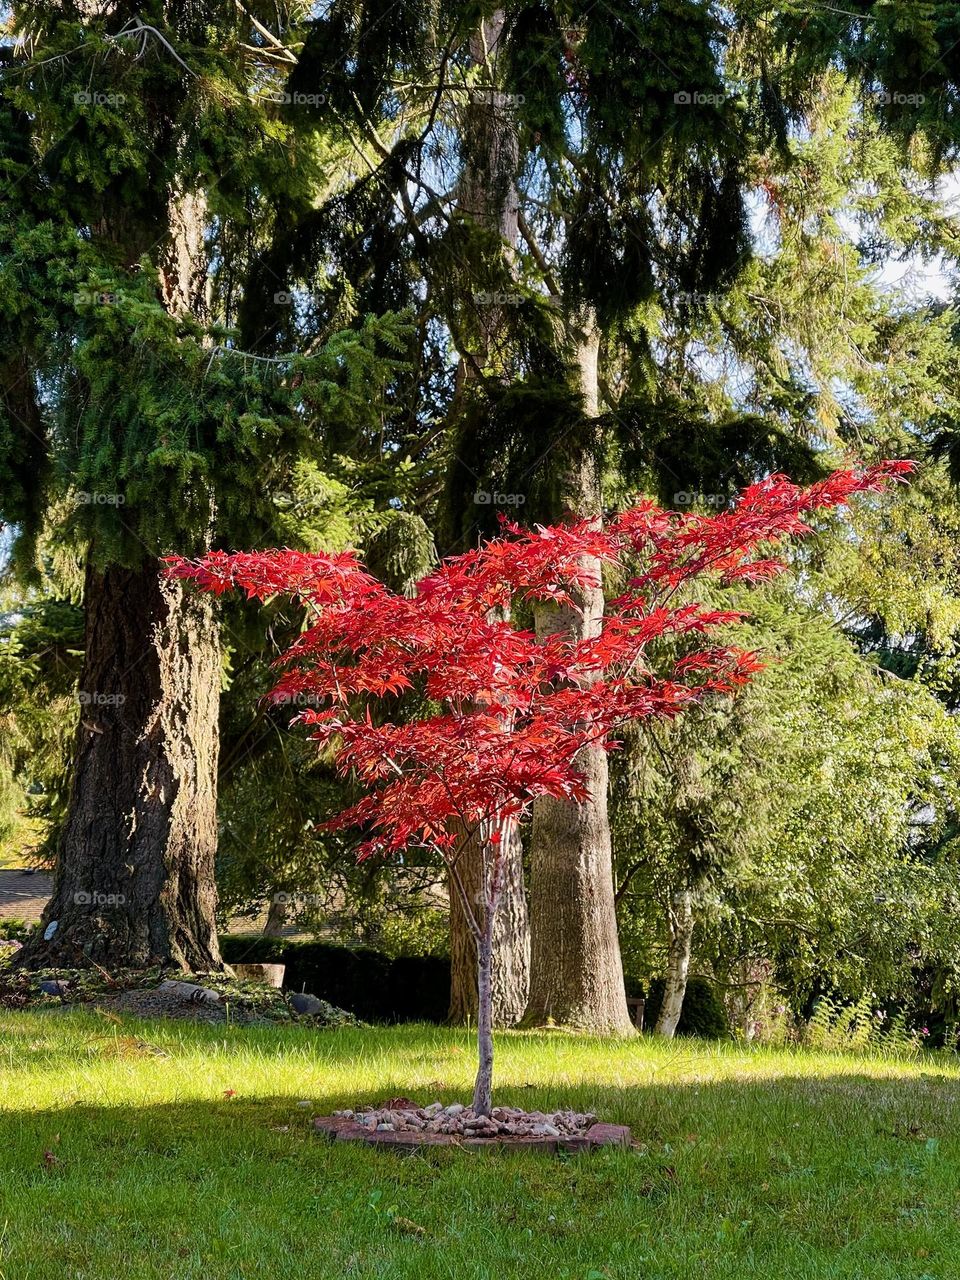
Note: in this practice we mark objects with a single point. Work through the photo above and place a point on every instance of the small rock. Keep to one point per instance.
(505, 1113)
(384, 1128)
(303, 1002)
(434, 1109)
(190, 991)
(454, 1109)
(53, 988)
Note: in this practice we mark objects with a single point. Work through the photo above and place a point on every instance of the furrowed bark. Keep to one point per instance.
(133, 884)
(576, 974)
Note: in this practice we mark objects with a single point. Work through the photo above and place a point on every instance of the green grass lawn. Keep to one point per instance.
(116, 1161)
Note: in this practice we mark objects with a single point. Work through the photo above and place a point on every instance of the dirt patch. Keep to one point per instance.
(161, 1004)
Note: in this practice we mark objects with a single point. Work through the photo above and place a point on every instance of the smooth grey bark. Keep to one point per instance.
(481, 915)
(682, 924)
(483, 1087)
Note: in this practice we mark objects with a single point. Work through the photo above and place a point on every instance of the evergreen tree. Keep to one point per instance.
(142, 151)
(613, 160)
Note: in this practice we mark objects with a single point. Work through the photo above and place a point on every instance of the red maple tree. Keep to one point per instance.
(515, 710)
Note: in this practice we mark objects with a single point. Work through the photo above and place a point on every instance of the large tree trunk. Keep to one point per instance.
(678, 964)
(510, 975)
(276, 916)
(487, 188)
(134, 882)
(487, 194)
(576, 974)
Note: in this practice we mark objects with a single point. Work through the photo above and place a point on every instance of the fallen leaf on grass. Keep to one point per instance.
(407, 1227)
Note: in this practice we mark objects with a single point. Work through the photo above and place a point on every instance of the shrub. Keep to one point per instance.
(857, 1028)
(703, 1013)
(15, 930)
(13, 934)
(367, 983)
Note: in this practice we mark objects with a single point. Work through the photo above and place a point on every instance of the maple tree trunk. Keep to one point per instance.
(276, 917)
(576, 973)
(678, 964)
(134, 879)
(494, 859)
(483, 1089)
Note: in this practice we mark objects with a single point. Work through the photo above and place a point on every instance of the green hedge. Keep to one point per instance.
(367, 983)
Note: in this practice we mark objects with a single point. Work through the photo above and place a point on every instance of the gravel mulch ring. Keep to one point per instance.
(403, 1126)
